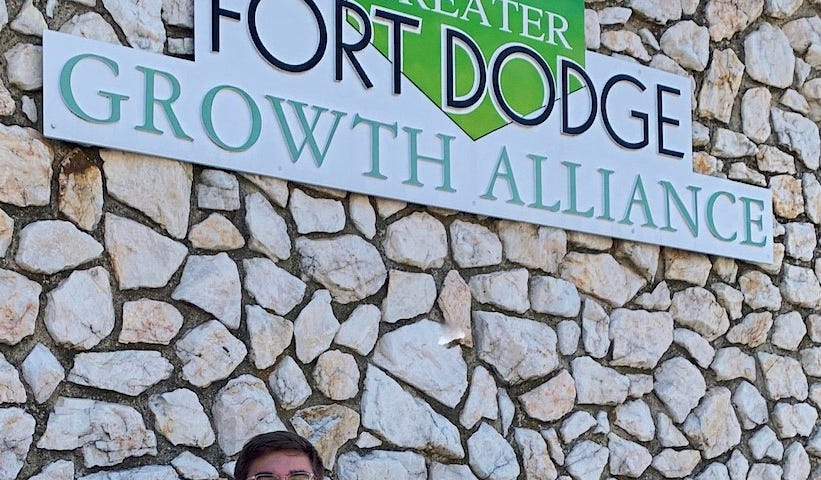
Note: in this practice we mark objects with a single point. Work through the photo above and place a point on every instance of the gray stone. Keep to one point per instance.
(679, 385)
(771, 159)
(91, 25)
(212, 284)
(799, 134)
(150, 472)
(491, 457)
(242, 409)
(289, 384)
(598, 385)
(57, 470)
(80, 311)
(812, 197)
(658, 299)
(11, 388)
(348, 266)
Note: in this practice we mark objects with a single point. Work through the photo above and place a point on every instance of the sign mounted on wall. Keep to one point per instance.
(484, 106)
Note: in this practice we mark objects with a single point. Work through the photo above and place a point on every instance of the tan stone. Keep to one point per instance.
(81, 190)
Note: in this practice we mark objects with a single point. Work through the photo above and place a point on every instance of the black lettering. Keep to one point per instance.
(398, 22)
(270, 58)
(450, 74)
(349, 49)
(662, 120)
(216, 13)
(566, 67)
(496, 74)
(640, 115)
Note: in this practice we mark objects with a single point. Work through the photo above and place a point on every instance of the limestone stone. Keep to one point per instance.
(273, 188)
(474, 245)
(794, 420)
(42, 372)
(140, 257)
(667, 433)
(577, 425)
(504, 289)
(597, 384)
(697, 346)
(180, 417)
(551, 400)
(518, 349)
(362, 215)
(270, 335)
(658, 12)
(814, 327)
(741, 172)
(811, 361)
(803, 32)
(771, 159)
(799, 134)
(212, 284)
(701, 135)
(658, 299)
(601, 276)
(644, 257)
(782, 8)
(137, 370)
(783, 377)
(640, 338)
(568, 332)
(592, 29)
(811, 90)
(178, 13)
(409, 295)
(24, 64)
(366, 440)
(554, 446)
(731, 363)
(707, 164)
(454, 303)
(614, 15)
(217, 190)
(91, 25)
(268, 232)
(728, 17)
(753, 330)
(149, 321)
(686, 266)
(315, 327)
(7, 105)
(209, 353)
(800, 240)
(80, 311)
(419, 427)
(750, 406)
(799, 286)
(316, 214)
(795, 102)
(149, 472)
(88, 424)
(50, 246)
(788, 331)
(80, 195)
(57, 470)
(6, 232)
(697, 309)
(272, 287)
(712, 427)
(535, 459)
(159, 188)
(796, 463)
(627, 458)
(676, 464)
(730, 144)
(382, 464)
(490, 455)
(16, 434)
(481, 401)
(640, 384)
(541, 248)
(589, 241)
(731, 299)
(634, 418)
(764, 444)
(387, 207)
(679, 385)
(714, 471)
(418, 240)
(414, 353)
(586, 461)
(625, 41)
(554, 296)
(738, 466)
(360, 331)
(216, 233)
(688, 44)
(348, 266)
(337, 375)
(19, 306)
(189, 465)
(140, 22)
(289, 384)
(754, 107)
(327, 427)
(242, 409)
(11, 388)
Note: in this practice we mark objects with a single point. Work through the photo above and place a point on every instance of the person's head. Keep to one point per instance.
(279, 453)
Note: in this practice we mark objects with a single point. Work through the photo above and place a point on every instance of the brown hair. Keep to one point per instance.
(265, 443)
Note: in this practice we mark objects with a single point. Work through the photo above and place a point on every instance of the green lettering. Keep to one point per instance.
(375, 126)
(711, 221)
(572, 191)
(537, 189)
(641, 200)
(413, 137)
(307, 130)
(507, 175)
(207, 117)
(690, 219)
(151, 99)
(605, 178)
(749, 221)
(67, 94)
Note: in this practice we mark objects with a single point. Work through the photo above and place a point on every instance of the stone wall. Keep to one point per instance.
(154, 315)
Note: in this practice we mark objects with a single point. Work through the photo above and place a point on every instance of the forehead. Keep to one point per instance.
(281, 463)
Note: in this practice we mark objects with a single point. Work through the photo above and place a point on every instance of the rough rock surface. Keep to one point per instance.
(350, 268)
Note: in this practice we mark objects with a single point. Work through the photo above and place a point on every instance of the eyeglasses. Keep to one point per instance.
(290, 476)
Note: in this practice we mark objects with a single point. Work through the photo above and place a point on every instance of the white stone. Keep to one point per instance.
(216, 233)
(80, 196)
(627, 458)
(140, 257)
(554, 446)
(658, 299)
(212, 284)
(273, 188)
(315, 327)
(639, 338)
(738, 466)
(217, 190)
(741, 172)
(419, 427)
(88, 424)
(16, 432)
(348, 266)
(362, 215)
(504, 289)
(643, 256)
(783, 377)
(640, 384)
(178, 13)
(731, 299)
(327, 427)
(454, 302)
(534, 247)
(811, 361)
(24, 64)
(150, 472)
(270, 335)
(57, 470)
(382, 464)
(551, 400)
(812, 197)
(687, 43)
(518, 349)
(712, 427)
(795, 101)
(614, 15)
(387, 207)
(337, 375)
(11, 388)
(80, 311)
(788, 331)
(764, 444)
(272, 287)
(242, 409)
(418, 240)
(793, 420)
(601, 276)
(415, 354)
(589, 241)
(730, 144)
(598, 385)
(289, 384)
(771, 159)
(796, 463)
(658, 12)
(667, 433)
(782, 8)
(697, 346)
(367, 441)
(554, 296)
(409, 295)
(569, 333)
(140, 22)
(535, 459)
(209, 353)
(19, 306)
(316, 214)
(787, 199)
(800, 286)
(753, 330)
(180, 417)
(91, 25)
(800, 240)
(474, 245)
(6, 232)
(592, 29)
(42, 372)
(159, 188)
(51, 246)
(577, 425)
(697, 309)
(750, 406)
(799, 134)
(268, 232)
(491, 457)
(676, 464)
(635, 419)
(714, 471)
(587, 460)
(679, 385)
(728, 17)
(360, 331)
(814, 327)
(190, 466)
(137, 370)
(625, 41)
(481, 401)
